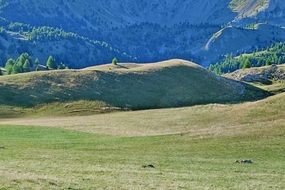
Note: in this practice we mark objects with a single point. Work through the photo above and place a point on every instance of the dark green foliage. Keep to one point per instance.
(268, 62)
(37, 62)
(115, 61)
(22, 59)
(22, 64)
(271, 55)
(27, 66)
(17, 68)
(9, 66)
(246, 63)
(62, 66)
(51, 64)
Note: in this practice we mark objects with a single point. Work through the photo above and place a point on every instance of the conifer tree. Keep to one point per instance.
(9, 66)
(51, 64)
(27, 66)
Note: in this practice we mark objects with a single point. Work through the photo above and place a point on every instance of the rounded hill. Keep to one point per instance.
(170, 83)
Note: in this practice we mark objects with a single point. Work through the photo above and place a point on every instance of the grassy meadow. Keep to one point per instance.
(190, 148)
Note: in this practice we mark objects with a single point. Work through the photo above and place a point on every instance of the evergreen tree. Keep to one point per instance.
(280, 60)
(115, 61)
(62, 66)
(17, 68)
(9, 66)
(27, 66)
(51, 64)
(22, 59)
(268, 62)
(37, 62)
(246, 64)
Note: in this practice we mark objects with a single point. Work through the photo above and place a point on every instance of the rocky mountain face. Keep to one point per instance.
(142, 31)
(264, 75)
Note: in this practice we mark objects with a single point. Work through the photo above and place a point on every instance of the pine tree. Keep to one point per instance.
(115, 61)
(268, 62)
(9, 66)
(62, 66)
(27, 66)
(246, 64)
(17, 68)
(51, 64)
(280, 60)
(37, 62)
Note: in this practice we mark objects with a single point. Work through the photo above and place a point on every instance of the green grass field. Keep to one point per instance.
(191, 148)
(48, 158)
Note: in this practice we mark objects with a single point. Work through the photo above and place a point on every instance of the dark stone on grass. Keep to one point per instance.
(52, 183)
(244, 161)
(148, 166)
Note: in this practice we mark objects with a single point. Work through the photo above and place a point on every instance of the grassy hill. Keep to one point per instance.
(188, 147)
(172, 83)
(204, 120)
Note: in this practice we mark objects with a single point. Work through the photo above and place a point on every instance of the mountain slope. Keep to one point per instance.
(248, 8)
(65, 46)
(168, 84)
(150, 31)
(231, 39)
(107, 14)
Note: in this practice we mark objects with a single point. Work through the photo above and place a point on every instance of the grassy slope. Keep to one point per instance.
(77, 108)
(202, 158)
(168, 84)
(198, 120)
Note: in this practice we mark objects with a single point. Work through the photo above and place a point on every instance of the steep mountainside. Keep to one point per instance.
(101, 14)
(160, 29)
(248, 8)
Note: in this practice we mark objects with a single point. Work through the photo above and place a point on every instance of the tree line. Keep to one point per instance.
(24, 63)
(274, 54)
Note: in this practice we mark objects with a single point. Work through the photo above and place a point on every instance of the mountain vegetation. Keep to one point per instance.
(95, 32)
(274, 54)
(66, 47)
(24, 63)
